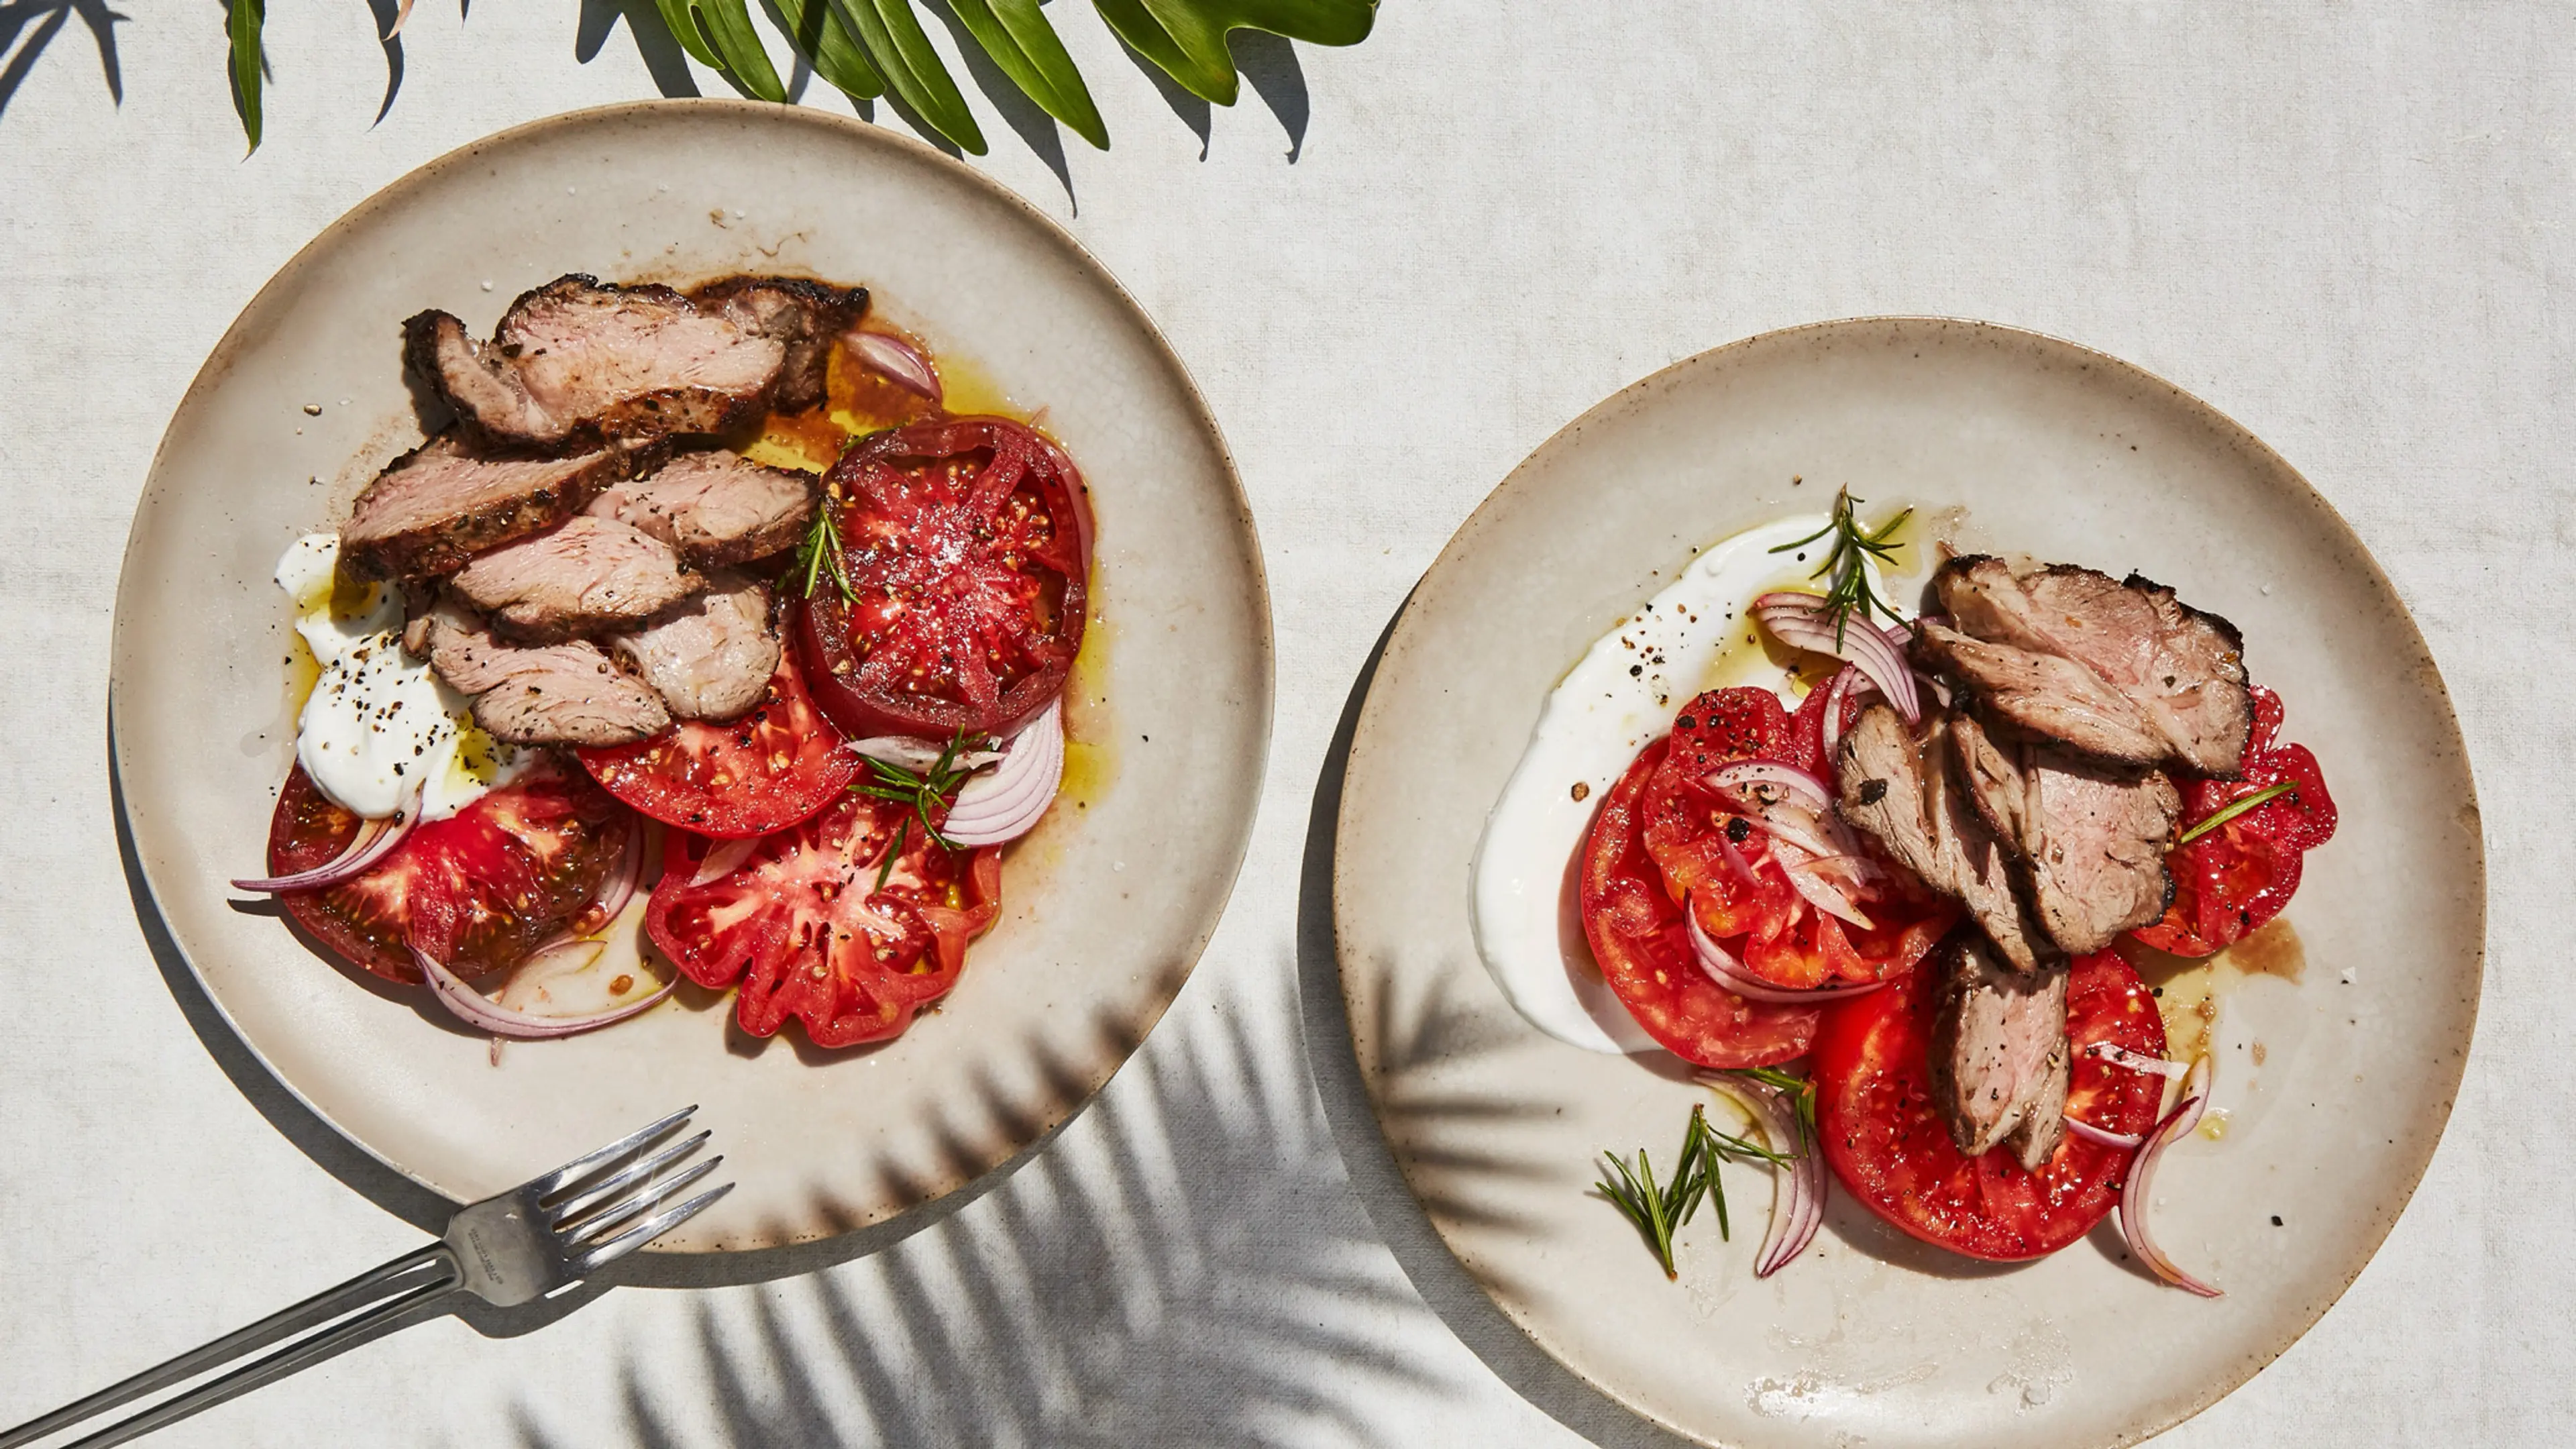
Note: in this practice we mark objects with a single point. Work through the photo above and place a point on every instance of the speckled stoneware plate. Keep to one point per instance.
(1105, 908)
(1872, 1339)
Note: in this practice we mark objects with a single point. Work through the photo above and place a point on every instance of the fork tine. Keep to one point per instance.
(645, 1200)
(574, 1170)
(646, 1231)
(607, 1188)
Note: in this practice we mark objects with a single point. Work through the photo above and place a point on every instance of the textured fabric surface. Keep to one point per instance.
(1394, 270)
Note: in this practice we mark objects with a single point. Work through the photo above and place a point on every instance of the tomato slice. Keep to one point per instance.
(1736, 879)
(966, 542)
(477, 891)
(1644, 953)
(803, 928)
(2234, 879)
(1888, 1144)
(764, 771)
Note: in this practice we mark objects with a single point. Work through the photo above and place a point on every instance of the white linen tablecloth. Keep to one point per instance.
(1394, 269)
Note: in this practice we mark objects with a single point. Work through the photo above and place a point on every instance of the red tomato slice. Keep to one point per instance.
(966, 544)
(477, 891)
(803, 928)
(1726, 867)
(1887, 1143)
(2233, 880)
(1637, 937)
(764, 771)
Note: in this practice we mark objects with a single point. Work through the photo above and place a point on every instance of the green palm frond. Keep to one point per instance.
(868, 48)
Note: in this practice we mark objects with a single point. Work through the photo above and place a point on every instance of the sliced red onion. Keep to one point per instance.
(1798, 1207)
(917, 755)
(1729, 973)
(2091, 1133)
(1735, 858)
(375, 840)
(482, 1013)
(1746, 774)
(1816, 892)
(2120, 1056)
(619, 888)
(2140, 1188)
(1800, 620)
(1001, 806)
(1848, 685)
(724, 858)
(897, 361)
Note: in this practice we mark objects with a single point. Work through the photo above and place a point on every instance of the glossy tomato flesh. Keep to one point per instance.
(1639, 942)
(1886, 1141)
(1726, 868)
(476, 891)
(804, 931)
(763, 771)
(966, 542)
(2234, 879)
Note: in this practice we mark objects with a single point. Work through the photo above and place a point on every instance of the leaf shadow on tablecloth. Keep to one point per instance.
(28, 28)
(1186, 1267)
(1413, 1029)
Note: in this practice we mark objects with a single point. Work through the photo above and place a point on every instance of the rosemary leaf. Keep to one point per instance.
(2236, 807)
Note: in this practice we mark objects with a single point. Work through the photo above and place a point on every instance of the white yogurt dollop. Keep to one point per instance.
(378, 725)
(1698, 634)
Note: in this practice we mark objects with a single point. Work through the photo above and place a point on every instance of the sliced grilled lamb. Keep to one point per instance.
(576, 359)
(2119, 669)
(2000, 1060)
(1898, 786)
(710, 657)
(2089, 839)
(447, 500)
(801, 316)
(583, 575)
(715, 507)
(561, 694)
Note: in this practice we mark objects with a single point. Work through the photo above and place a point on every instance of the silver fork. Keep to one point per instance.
(545, 1234)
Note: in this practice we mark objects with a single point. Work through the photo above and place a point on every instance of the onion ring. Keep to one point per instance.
(2139, 1189)
(479, 1011)
(1798, 1207)
(1799, 620)
(375, 840)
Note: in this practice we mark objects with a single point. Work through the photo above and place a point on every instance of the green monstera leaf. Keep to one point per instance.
(1187, 37)
(1020, 41)
(815, 29)
(719, 34)
(869, 48)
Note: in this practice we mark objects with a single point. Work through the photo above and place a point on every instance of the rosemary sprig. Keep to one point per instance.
(821, 545)
(2236, 807)
(1847, 561)
(921, 792)
(1800, 1092)
(1657, 1209)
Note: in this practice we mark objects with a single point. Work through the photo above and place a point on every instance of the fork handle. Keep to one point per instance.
(393, 1289)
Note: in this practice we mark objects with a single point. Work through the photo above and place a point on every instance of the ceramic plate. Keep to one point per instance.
(1105, 907)
(2058, 452)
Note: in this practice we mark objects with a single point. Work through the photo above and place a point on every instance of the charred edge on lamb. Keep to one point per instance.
(804, 317)
(2118, 669)
(577, 359)
(435, 507)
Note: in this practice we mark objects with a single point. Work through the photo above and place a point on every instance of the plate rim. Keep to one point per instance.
(1367, 735)
(220, 361)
